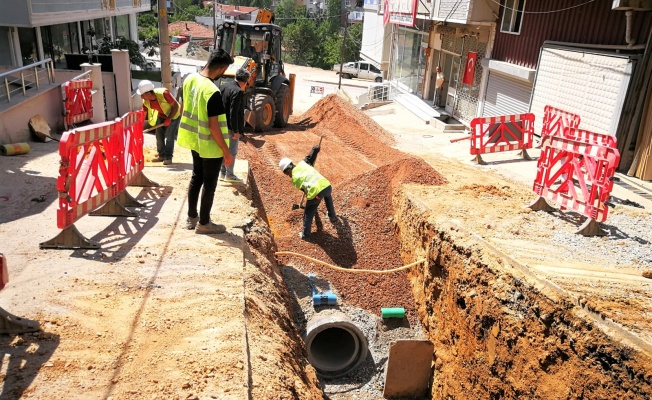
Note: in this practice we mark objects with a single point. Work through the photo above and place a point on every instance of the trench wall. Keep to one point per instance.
(501, 333)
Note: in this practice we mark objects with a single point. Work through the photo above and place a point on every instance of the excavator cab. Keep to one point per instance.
(256, 46)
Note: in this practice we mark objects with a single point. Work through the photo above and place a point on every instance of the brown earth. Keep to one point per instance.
(365, 173)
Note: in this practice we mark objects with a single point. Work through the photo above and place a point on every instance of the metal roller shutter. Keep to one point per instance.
(506, 96)
(584, 82)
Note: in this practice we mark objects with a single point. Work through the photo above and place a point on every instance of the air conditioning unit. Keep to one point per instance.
(631, 5)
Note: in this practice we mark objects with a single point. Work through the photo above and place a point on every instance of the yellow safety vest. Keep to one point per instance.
(152, 115)
(194, 133)
(306, 178)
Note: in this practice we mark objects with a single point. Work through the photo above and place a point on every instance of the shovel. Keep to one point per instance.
(152, 128)
(303, 195)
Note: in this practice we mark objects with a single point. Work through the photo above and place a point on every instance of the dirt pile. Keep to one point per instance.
(365, 173)
(191, 50)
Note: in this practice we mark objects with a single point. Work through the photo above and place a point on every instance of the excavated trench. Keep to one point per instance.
(498, 332)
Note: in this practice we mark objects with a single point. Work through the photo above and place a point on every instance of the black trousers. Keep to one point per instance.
(205, 172)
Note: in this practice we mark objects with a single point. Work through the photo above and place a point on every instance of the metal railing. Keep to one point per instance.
(383, 92)
(25, 78)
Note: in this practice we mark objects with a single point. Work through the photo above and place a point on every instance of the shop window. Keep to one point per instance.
(512, 16)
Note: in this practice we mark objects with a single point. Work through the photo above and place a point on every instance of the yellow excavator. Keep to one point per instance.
(256, 46)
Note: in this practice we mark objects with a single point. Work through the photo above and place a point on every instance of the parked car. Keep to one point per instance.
(361, 70)
(177, 41)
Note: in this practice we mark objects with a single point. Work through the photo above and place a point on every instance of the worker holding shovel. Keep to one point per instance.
(314, 186)
(162, 109)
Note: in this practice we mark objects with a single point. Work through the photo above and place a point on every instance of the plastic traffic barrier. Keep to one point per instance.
(576, 176)
(78, 104)
(556, 120)
(501, 133)
(97, 163)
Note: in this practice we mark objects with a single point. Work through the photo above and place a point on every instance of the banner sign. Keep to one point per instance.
(403, 12)
(469, 71)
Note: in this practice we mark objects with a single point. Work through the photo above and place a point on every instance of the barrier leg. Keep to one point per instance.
(13, 325)
(113, 208)
(523, 153)
(479, 160)
(540, 204)
(69, 238)
(141, 180)
(590, 227)
(128, 200)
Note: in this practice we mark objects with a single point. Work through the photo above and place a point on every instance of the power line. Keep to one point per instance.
(544, 12)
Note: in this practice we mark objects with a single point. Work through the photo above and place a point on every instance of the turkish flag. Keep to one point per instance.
(385, 12)
(469, 71)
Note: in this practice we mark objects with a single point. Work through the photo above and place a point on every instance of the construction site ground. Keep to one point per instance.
(162, 313)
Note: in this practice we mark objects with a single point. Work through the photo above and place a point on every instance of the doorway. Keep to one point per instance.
(451, 69)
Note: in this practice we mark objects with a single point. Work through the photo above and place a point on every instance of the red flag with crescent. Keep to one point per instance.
(469, 71)
(385, 12)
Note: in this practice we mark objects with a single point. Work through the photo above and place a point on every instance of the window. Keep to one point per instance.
(512, 16)
(374, 69)
(364, 67)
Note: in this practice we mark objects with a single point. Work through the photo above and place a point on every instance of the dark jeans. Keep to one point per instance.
(311, 209)
(205, 172)
(165, 136)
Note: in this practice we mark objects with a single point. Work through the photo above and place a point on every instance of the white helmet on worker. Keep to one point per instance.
(145, 86)
(284, 163)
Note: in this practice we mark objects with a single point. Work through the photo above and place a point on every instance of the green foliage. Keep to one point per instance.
(299, 39)
(285, 12)
(189, 13)
(147, 26)
(105, 45)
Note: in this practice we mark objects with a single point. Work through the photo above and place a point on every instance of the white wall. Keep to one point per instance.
(375, 40)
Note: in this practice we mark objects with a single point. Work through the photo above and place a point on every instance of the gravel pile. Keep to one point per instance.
(627, 242)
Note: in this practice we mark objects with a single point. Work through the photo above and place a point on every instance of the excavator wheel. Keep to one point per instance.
(264, 111)
(282, 106)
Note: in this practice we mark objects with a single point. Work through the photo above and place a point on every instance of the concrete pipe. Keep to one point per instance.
(335, 346)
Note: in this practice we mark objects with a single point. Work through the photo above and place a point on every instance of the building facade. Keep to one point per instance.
(583, 58)
(34, 30)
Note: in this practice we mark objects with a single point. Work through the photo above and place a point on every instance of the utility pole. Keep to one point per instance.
(345, 20)
(164, 45)
(214, 27)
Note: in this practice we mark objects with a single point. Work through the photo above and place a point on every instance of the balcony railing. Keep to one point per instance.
(26, 78)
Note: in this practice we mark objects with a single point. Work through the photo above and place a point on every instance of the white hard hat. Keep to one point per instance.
(144, 87)
(284, 163)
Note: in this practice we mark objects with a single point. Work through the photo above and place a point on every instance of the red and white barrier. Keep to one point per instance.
(78, 102)
(501, 133)
(97, 163)
(566, 178)
(556, 120)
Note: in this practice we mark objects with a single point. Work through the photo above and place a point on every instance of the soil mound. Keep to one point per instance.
(364, 238)
(335, 114)
(191, 50)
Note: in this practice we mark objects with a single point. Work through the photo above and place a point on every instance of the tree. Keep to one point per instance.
(189, 13)
(285, 12)
(299, 40)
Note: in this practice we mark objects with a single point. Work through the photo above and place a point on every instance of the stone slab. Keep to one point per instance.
(409, 368)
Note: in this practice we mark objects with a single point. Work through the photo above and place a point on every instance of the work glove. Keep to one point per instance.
(317, 148)
(167, 122)
(236, 136)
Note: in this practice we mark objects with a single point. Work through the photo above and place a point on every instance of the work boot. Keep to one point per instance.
(167, 162)
(210, 229)
(157, 159)
(221, 176)
(333, 220)
(191, 222)
(302, 237)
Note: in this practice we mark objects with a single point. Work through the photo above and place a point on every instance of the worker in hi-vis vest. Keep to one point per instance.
(162, 109)
(203, 130)
(306, 178)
